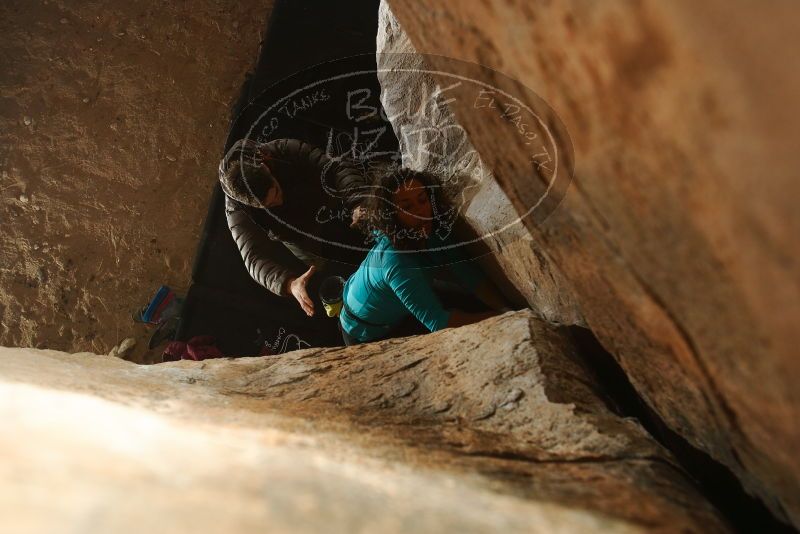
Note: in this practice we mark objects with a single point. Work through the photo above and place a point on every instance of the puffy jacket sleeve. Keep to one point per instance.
(340, 178)
(257, 249)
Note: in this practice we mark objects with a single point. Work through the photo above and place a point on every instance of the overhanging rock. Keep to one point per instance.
(432, 140)
(677, 237)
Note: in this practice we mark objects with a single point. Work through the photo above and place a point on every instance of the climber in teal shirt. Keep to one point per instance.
(394, 283)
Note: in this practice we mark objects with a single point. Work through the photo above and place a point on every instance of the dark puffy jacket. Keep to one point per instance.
(311, 179)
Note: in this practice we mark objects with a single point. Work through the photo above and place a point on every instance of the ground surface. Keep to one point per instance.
(404, 435)
(112, 118)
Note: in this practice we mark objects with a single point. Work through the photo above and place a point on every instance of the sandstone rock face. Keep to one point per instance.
(432, 140)
(678, 235)
(492, 427)
(113, 116)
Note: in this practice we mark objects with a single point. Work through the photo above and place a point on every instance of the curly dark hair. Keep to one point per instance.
(381, 211)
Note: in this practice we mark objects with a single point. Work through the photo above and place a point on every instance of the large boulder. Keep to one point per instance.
(432, 140)
(487, 428)
(678, 236)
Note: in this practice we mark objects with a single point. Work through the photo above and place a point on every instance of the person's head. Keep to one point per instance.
(406, 206)
(246, 177)
(412, 199)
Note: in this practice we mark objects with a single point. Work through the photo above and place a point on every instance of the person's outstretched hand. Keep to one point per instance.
(297, 287)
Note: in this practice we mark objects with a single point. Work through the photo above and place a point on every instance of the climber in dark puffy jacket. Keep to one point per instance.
(288, 193)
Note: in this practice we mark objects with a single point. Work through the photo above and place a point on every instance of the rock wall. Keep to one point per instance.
(678, 234)
(487, 428)
(421, 118)
(112, 119)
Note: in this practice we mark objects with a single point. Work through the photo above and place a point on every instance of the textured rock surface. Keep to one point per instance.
(113, 116)
(679, 233)
(492, 427)
(432, 140)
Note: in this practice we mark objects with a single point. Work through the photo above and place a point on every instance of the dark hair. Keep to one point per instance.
(381, 210)
(242, 174)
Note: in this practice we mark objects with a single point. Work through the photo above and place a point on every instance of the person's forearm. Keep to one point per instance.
(286, 286)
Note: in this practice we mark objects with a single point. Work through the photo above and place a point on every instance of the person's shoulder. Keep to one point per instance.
(397, 262)
(382, 248)
(231, 205)
(382, 254)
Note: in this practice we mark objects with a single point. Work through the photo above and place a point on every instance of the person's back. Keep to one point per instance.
(391, 294)
(388, 288)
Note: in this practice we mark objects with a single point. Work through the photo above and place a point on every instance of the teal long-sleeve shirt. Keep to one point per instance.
(389, 285)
